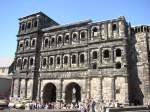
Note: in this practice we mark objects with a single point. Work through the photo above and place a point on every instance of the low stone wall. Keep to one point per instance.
(129, 109)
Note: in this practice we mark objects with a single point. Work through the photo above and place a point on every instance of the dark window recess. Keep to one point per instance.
(94, 66)
(52, 41)
(114, 27)
(58, 60)
(74, 37)
(33, 43)
(25, 62)
(94, 55)
(31, 61)
(29, 25)
(95, 30)
(118, 65)
(35, 24)
(118, 52)
(23, 27)
(73, 59)
(46, 42)
(59, 40)
(27, 43)
(51, 61)
(65, 59)
(21, 45)
(82, 35)
(44, 62)
(67, 39)
(19, 63)
(82, 58)
(106, 54)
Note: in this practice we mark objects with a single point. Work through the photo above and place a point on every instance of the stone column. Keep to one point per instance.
(12, 87)
(39, 90)
(113, 88)
(26, 83)
(100, 89)
(88, 88)
(19, 85)
(59, 90)
(126, 91)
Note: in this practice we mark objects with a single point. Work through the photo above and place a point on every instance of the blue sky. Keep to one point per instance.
(66, 11)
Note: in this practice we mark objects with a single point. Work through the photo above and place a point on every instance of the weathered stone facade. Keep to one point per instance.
(106, 61)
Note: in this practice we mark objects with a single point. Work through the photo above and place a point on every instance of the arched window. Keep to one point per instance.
(27, 43)
(23, 27)
(118, 65)
(106, 54)
(94, 66)
(19, 63)
(82, 35)
(118, 52)
(31, 61)
(94, 55)
(58, 60)
(21, 45)
(35, 23)
(82, 58)
(74, 37)
(52, 41)
(46, 42)
(73, 59)
(51, 61)
(95, 31)
(25, 62)
(114, 27)
(44, 62)
(65, 59)
(59, 39)
(66, 40)
(33, 43)
(29, 25)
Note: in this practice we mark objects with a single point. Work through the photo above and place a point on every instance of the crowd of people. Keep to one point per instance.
(85, 106)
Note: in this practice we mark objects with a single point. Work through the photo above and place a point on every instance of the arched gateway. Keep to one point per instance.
(72, 93)
(49, 93)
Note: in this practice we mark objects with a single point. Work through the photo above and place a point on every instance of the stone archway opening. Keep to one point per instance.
(72, 93)
(49, 93)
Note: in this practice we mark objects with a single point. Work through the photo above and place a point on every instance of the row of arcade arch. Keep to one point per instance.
(72, 93)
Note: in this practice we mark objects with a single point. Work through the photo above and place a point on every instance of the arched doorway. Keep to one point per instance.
(72, 93)
(49, 93)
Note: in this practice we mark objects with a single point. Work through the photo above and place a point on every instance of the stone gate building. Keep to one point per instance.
(106, 61)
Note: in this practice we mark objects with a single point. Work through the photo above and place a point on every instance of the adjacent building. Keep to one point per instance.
(106, 61)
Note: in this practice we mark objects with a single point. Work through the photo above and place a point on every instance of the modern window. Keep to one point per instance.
(106, 53)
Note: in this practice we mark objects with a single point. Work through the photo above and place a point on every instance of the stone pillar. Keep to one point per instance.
(126, 91)
(12, 87)
(110, 30)
(100, 89)
(59, 90)
(113, 89)
(26, 83)
(39, 90)
(88, 88)
(19, 85)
